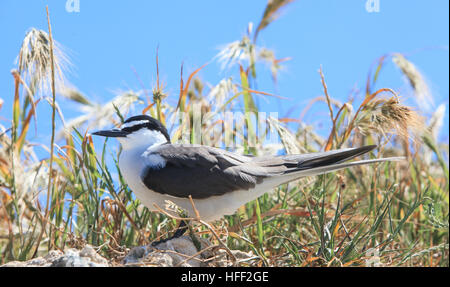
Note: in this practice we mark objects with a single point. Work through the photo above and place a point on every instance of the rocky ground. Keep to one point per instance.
(176, 252)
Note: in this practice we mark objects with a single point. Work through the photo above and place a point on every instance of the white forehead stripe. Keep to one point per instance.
(134, 123)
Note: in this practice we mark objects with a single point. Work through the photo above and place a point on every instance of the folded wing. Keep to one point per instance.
(202, 171)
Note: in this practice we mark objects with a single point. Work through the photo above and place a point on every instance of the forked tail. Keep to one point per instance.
(324, 162)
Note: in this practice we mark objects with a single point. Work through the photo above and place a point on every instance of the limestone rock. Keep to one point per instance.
(87, 257)
(175, 252)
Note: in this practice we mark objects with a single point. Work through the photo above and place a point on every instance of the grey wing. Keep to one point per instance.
(202, 172)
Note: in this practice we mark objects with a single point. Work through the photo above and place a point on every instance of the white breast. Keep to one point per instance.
(132, 163)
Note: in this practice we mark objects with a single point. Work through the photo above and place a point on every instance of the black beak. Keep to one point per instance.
(115, 133)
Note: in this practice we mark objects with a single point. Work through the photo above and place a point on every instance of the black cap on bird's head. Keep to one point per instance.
(134, 124)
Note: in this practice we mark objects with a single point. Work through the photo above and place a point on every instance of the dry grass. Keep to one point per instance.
(395, 214)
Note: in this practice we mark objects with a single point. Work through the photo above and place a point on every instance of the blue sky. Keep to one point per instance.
(108, 39)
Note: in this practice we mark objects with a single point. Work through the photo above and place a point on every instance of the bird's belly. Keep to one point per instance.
(215, 207)
(209, 209)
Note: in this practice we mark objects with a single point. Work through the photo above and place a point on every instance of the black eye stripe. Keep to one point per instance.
(144, 121)
(134, 128)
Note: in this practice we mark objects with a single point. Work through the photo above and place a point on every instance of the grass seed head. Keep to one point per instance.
(422, 92)
(390, 116)
(34, 61)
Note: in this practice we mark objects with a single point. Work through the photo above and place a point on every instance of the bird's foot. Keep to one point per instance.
(178, 233)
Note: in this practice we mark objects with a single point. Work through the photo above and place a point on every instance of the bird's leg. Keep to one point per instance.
(181, 229)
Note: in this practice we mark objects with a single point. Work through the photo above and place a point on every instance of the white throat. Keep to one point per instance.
(143, 138)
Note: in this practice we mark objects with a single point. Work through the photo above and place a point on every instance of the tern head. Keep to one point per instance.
(138, 131)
